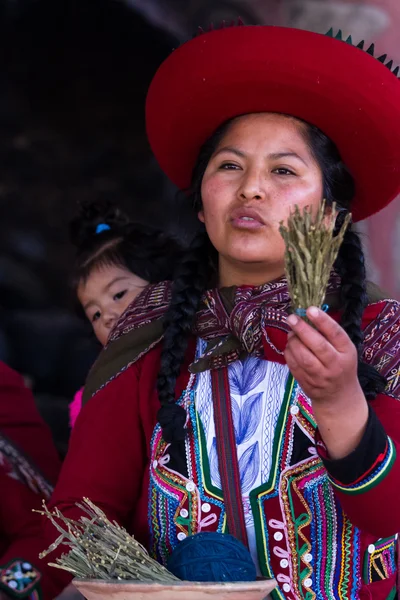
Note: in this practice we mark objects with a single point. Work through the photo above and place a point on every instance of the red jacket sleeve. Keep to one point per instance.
(106, 458)
(20, 528)
(371, 498)
(21, 422)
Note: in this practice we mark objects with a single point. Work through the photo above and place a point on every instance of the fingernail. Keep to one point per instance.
(292, 320)
(313, 311)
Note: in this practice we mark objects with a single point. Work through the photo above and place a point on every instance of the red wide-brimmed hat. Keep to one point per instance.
(343, 90)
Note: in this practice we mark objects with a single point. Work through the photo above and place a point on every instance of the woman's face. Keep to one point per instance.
(259, 171)
(106, 294)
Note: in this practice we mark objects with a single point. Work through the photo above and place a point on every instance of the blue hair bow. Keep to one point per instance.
(102, 227)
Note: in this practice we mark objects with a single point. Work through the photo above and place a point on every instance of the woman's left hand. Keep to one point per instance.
(323, 360)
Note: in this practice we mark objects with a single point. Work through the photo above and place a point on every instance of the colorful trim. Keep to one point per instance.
(203, 463)
(176, 507)
(380, 560)
(270, 489)
(376, 474)
(303, 537)
(313, 551)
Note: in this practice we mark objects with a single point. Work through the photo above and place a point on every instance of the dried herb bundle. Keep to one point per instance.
(311, 250)
(100, 549)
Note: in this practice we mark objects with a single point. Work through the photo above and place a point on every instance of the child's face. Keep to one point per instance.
(106, 294)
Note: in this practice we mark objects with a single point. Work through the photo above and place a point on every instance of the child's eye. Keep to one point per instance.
(96, 316)
(120, 295)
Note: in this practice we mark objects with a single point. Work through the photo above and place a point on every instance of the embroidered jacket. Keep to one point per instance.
(324, 529)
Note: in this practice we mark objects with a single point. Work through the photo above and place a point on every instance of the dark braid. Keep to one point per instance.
(350, 265)
(191, 278)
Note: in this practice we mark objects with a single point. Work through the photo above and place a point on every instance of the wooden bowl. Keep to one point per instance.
(95, 589)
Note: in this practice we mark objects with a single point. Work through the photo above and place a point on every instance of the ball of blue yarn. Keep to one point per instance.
(212, 557)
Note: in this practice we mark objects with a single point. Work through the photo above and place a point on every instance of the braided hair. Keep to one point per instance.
(191, 278)
(339, 187)
(104, 236)
(193, 274)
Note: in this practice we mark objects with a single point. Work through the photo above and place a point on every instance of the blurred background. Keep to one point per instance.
(73, 80)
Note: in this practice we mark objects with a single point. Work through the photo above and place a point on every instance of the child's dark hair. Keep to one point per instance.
(104, 236)
(192, 278)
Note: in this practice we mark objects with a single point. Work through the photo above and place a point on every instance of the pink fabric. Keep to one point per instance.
(75, 407)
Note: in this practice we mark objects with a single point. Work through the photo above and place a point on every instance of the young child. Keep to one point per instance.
(116, 259)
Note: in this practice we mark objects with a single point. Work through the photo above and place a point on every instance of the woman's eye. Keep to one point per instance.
(229, 166)
(120, 295)
(96, 316)
(283, 171)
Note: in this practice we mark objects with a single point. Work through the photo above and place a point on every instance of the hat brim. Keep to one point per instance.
(345, 92)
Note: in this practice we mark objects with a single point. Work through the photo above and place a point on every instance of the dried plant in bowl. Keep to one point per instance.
(311, 250)
(109, 564)
(99, 549)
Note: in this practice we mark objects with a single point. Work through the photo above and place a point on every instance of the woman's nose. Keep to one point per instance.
(253, 185)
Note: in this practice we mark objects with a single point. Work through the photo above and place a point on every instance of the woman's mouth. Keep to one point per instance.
(246, 218)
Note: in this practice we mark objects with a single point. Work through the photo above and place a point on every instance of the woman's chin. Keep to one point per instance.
(250, 260)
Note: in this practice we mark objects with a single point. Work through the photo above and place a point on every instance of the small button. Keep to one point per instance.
(27, 566)
(18, 575)
(286, 587)
(184, 513)
(278, 536)
(308, 557)
(181, 536)
(12, 584)
(155, 464)
(294, 410)
(284, 563)
(371, 548)
(205, 507)
(308, 582)
(190, 486)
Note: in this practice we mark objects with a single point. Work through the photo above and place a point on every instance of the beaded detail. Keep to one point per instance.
(19, 579)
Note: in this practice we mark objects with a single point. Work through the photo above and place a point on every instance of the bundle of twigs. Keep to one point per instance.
(100, 549)
(311, 250)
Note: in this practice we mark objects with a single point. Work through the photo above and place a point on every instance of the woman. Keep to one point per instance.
(115, 260)
(285, 433)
